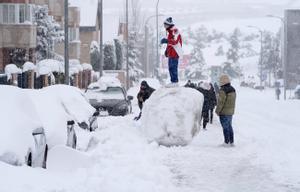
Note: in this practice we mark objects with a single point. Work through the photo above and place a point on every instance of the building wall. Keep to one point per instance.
(86, 37)
(18, 35)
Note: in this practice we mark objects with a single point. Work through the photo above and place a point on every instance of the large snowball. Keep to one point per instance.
(171, 116)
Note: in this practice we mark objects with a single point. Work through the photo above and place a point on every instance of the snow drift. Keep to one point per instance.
(172, 116)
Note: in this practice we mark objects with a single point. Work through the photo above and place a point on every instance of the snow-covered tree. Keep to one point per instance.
(198, 38)
(109, 57)
(135, 66)
(48, 33)
(233, 52)
(95, 55)
(220, 51)
(119, 54)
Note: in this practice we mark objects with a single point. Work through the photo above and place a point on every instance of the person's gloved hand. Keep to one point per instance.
(164, 41)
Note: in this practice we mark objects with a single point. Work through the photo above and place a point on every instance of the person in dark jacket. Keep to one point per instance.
(278, 92)
(204, 89)
(212, 102)
(144, 94)
(225, 108)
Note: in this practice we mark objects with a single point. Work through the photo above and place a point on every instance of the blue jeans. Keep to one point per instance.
(173, 69)
(226, 122)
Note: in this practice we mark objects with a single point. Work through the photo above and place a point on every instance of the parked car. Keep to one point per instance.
(109, 98)
(23, 139)
(297, 92)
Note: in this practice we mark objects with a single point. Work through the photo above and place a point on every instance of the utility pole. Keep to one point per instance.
(67, 79)
(100, 14)
(127, 47)
(157, 47)
(283, 50)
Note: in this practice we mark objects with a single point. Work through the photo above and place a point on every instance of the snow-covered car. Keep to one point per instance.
(61, 108)
(297, 92)
(109, 97)
(22, 138)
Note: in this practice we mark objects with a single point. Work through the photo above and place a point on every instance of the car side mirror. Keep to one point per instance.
(96, 114)
(129, 97)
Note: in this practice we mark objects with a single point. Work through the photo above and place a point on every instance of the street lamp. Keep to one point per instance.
(157, 48)
(146, 44)
(261, 51)
(100, 14)
(283, 48)
(66, 54)
(127, 48)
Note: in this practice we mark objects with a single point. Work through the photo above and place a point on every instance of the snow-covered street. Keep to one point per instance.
(265, 157)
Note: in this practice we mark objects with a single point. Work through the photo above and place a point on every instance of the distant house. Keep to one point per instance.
(18, 32)
(89, 26)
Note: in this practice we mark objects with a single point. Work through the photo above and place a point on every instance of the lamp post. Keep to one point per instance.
(261, 51)
(127, 48)
(100, 14)
(283, 52)
(157, 47)
(66, 52)
(146, 44)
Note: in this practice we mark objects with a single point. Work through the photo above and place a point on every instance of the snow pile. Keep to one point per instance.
(75, 67)
(87, 66)
(172, 116)
(18, 120)
(12, 69)
(47, 66)
(28, 66)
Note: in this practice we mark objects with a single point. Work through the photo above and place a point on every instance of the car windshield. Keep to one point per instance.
(109, 93)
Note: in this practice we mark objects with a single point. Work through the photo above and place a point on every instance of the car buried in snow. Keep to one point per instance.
(23, 139)
(109, 97)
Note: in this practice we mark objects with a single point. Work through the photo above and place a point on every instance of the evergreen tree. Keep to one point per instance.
(135, 65)
(220, 51)
(233, 52)
(119, 54)
(198, 38)
(48, 32)
(109, 57)
(95, 55)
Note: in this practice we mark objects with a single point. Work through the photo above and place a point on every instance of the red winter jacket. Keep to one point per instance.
(174, 38)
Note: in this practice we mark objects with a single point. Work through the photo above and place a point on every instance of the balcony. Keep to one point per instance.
(20, 35)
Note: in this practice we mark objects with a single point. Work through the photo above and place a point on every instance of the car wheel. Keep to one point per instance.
(45, 157)
(29, 159)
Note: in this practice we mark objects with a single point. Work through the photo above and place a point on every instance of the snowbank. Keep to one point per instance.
(172, 116)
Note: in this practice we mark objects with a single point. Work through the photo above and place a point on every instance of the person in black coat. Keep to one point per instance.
(212, 100)
(205, 108)
(144, 94)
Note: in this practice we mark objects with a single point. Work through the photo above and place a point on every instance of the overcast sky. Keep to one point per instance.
(189, 12)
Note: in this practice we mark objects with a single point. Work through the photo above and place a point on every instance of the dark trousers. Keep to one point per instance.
(205, 118)
(226, 122)
(211, 115)
(173, 69)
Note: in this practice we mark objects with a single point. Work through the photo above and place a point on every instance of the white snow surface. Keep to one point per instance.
(87, 66)
(266, 156)
(171, 116)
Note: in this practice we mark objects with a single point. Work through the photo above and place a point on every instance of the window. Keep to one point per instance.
(73, 34)
(16, 13)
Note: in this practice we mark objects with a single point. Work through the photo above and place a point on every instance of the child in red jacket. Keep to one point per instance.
(173, 50)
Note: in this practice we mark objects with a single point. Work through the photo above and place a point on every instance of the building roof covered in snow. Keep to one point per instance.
(88, 11)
